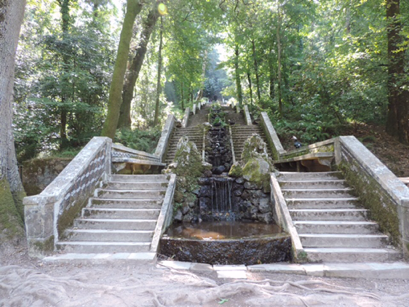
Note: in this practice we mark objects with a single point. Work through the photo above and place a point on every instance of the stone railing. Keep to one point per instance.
(120, 151)
(48, 214)
(283, 218)
(378, 188)
(165, 137)
(247, 116)
(272, 137)
(165, 215)
(185, 119)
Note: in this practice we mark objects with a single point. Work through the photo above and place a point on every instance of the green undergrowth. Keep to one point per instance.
(143, 140)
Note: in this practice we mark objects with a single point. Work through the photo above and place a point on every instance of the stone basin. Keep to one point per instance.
(226, 243)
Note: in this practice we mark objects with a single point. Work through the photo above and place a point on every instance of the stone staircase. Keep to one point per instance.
(195, 134)
(330, 222)
(120, 218)
(241, 133)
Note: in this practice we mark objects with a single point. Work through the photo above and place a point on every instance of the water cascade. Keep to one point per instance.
(234, 214)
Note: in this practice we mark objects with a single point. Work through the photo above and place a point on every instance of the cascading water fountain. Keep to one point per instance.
(229, 211)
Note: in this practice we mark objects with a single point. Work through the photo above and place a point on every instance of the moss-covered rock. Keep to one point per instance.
(236, 170)
(11, 222)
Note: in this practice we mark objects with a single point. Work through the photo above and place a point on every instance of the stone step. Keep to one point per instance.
(114, 213)
(313, 184)
(329, 214)
(317, 193)
(309, 175)
(117, 185)
(138, 178)
(344, 240)
(103, 235)
(116, 224)
(352, 255)
(153, 203)
(103, 247)
(128, 194)
(336, 227)
(322, 203)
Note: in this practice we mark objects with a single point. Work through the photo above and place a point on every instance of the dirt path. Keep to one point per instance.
(29, 282)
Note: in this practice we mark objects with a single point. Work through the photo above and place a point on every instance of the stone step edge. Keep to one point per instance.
(328, 210)
(121, 209)
(317, 190)
(132, 191)
(314, 181)
(335, 222)
(116, 220)
(126, 199)
(323, 199)
(69, 257)
(339, 236)
(340, 250)
(301, 173)
(92, 243)
(104, 231)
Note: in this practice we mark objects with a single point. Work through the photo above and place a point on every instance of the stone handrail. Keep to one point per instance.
(120, 151)
(48, 214)
(283, 219)
(319, 147)
(378, 188)
(247, 116)
(194, 108)
(185, 119)
(165, 137)
(165, 215)
(272, 137)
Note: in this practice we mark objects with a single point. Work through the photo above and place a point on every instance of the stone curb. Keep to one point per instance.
(395, 270)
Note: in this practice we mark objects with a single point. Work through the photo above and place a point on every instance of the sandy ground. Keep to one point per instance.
(26, 281)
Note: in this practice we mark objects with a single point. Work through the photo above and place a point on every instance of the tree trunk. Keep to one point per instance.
(250, 86)
(271, 79)
(256, 70)
(115, 92)
(135, 67)
(158, 85)
(279, 94)
(237, 72)
(398, 95)
(65, 23)
(11, 189)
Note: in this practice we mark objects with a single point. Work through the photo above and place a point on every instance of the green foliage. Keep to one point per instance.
(143, 140)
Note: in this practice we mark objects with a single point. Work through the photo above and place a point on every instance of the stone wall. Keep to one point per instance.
(37, 174)
(378, 188)
(48, 214)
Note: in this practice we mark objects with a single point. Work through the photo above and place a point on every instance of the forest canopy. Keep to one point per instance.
(314, 66)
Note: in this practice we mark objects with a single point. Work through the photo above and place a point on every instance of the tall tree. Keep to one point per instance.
(11, 189)
(135, 67)
(158, 84)
(115, 93)
(398, 92)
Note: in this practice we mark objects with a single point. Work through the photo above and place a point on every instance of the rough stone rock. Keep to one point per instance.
(264, 205)
(240, 180)
(205, 191)
(251, 186)
(188, 218)
(178, 196)
(237, 193)
(219, 170)
(265, 218)
(178, 216)
(204, 181)
(185, 209)
(204, 203)
(208, 173)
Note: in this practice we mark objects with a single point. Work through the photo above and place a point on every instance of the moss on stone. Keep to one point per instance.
(382, 207)
(11, 222)
(67, 218)
(236, 170)
(46, 246)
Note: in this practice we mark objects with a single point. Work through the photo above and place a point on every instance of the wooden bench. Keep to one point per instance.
(311, 162)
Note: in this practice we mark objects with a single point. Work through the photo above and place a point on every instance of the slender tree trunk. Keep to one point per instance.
(158, 84)
(135, 67)
(279, 93)
(11, 188)
(115, 92)
(65, 24)
(253, 45)
(182, 95)
(272, 74)
(200, 92)
(250, 85)
(398, 95)
(237, 72)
